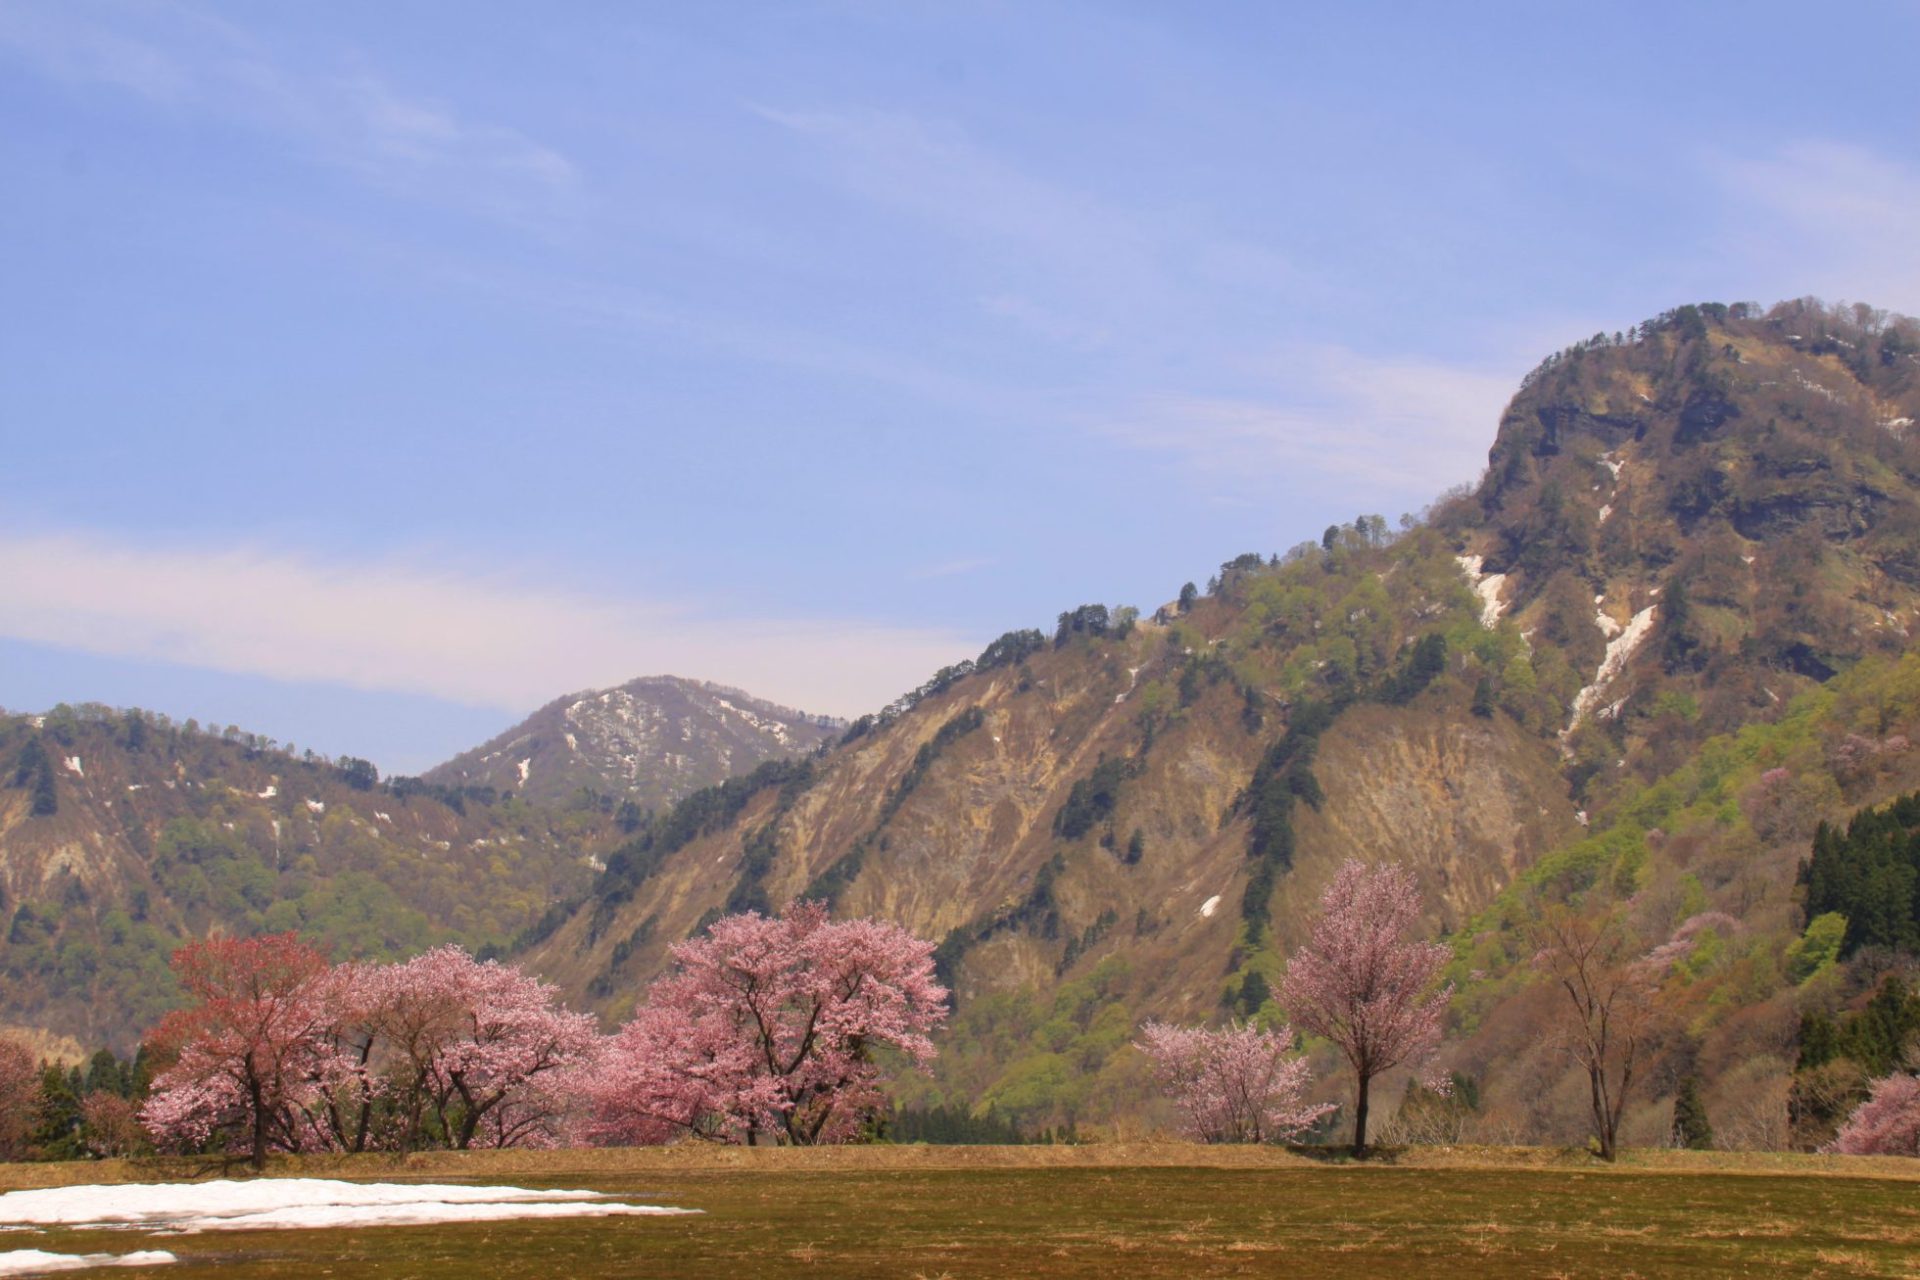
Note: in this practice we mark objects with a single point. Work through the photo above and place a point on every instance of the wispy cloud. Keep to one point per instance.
(1399, 428)
(499, 641)
(347, 117)
(1827, 218)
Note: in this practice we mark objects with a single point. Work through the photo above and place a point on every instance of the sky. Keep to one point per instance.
(373, 373)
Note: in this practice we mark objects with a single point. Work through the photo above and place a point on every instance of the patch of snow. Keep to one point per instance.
(1813, 386)
(298, 1202)
(523, 767)
(1605, 511)
(1207, 907)
(136, 786)
(1606, 624)
(1487, 586)
(73, 767)
(382, 816)
(1897, 424)
(318, 806)
(1620, 648)
(269, 793)
(573, 744)
(1613, 462)
(1580, 816)
(37, 1262)
(1746, 559)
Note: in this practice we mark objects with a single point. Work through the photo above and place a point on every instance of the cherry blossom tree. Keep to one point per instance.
(768, 1029)
(1363, 984)
(479, 1044)
(1886, 1124)
(249, 1050)
(1240, 1084)
(19, 1088)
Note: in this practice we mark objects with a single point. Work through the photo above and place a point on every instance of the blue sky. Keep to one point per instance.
(372, 373)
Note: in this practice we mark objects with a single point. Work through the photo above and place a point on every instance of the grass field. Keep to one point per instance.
(1130, 1211)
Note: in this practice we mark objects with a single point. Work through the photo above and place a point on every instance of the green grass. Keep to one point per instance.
(1127, 1212)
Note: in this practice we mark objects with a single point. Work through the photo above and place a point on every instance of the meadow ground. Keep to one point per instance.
(1130, 1211)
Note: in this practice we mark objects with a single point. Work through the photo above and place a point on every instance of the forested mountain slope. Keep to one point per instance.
(122, 835)
(646, 743)
(1682, 531)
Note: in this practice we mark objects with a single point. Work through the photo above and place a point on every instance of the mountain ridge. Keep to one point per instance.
(649, 741)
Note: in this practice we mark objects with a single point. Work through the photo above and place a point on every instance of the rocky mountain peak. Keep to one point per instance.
(651, 741)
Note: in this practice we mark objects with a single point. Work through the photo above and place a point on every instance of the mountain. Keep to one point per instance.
(1664, 636)
(651, 741)
(123, 834)
(1632, 671)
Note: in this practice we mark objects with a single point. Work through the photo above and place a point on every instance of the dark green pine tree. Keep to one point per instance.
(1691, 1128)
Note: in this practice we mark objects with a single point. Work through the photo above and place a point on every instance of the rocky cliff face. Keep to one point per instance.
(1680, 531)
(651, 741)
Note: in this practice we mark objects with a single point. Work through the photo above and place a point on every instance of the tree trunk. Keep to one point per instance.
(1603, 1118)
(1360, 1118)
(259, 1157)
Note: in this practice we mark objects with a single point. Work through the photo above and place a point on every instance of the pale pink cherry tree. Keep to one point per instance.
(1364, 984)
(479, 1045)
(251, 1051)
(1239, 1084)
(1886, 1124)
(767, 1029)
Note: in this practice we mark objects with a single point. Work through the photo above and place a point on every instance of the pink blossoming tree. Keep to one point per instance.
(769, 1029)
(1886, 1124)
(283, 1052)
(1363, 983)
(1240, 1084)
(249, 1049)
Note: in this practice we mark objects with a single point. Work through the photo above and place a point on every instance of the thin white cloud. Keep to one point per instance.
(351, 119)
(1826, 218)
(1381, 428)
(488, 641)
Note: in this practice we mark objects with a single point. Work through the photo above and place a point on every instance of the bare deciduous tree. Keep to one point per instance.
(1609, 1003)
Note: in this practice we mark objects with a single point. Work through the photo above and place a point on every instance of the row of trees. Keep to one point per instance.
(768, 1029)
(782, 1029)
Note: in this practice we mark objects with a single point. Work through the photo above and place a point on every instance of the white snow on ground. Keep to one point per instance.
(1606, 511)
(37, 1262)
(298, 1202)
(523, 766)
(1619, 649)
(384, 817)
(1606, 624)
(1613, 464)
(318, 806)
(270, 792)
(1206, 908)
(1485, 585)
(73, 766)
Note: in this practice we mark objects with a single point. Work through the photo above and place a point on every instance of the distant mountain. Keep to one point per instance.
(124, 834)
(651, 740)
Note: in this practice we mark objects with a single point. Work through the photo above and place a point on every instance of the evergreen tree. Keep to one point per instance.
(1691, 1129)
(1483, 698)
